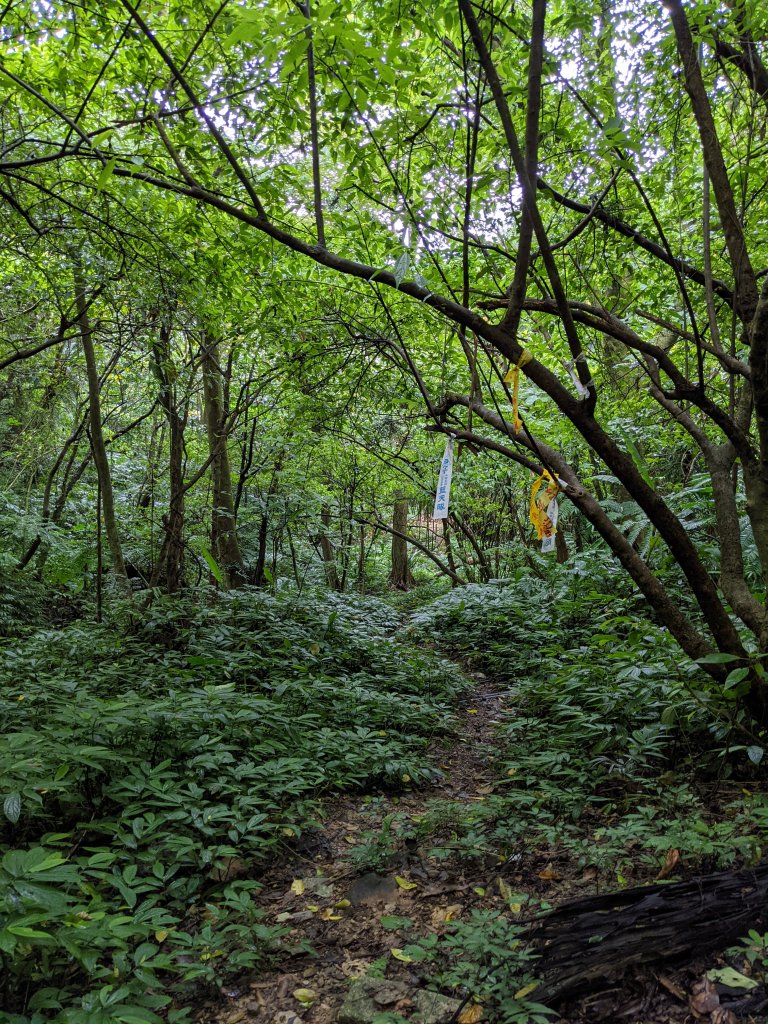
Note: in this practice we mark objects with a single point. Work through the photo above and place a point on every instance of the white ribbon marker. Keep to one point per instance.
(444, 483)
(548, 541)
(581, 389)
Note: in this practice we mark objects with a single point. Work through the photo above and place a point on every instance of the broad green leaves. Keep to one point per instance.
(12, 807)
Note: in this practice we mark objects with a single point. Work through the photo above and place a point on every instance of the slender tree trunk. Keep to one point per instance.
(174, 563)
(294, 559)
(482, 562)
(362, 552)
(346, 547)
(327, 550)
(70, 478)
(146, 496)
(261, 557)
(400, 575)
(97, 436)
(449, 552)
(72, 442)
(261, 561)
(225, 546)
(99, 557)
(170, 562)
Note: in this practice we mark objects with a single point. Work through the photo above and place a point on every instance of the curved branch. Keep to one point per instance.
(415, 543)
(745, 294)
(653, 248)
(529, 199)
(607, 323)
(221, 142)
(668, 612)
(748, 62)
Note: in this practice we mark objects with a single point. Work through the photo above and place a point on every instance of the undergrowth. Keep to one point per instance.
(148, 776)
(151, 774)
(615, 748)
(618, 761)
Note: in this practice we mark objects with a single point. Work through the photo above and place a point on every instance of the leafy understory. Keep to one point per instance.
(147, 775)
(154, 776)
(566, 783)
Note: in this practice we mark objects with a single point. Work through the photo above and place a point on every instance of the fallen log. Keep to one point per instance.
(589, 943)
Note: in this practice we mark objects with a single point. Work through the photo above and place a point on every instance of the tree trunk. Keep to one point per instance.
(400, 575)
(326, 548)
(145, 499)
(97, 436)
(294, 559)
(170, 563)
(72, 442)
(362, 552)
(225, 547)
(449, 552)
(466, 530)
(259, 578)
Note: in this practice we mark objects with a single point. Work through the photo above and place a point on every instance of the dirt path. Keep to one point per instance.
(364, 866)
(355, 892)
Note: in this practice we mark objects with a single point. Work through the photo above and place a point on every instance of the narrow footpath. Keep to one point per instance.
(359, 893)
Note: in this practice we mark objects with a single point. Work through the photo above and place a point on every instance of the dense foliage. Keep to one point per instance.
(259, 264)
(148, 775)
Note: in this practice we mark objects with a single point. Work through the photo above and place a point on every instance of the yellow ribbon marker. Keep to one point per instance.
(540, 506)
(513, 377)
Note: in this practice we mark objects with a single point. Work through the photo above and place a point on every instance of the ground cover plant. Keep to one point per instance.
(155, 768)
(616, 750)
(568, 782)
(150, 773)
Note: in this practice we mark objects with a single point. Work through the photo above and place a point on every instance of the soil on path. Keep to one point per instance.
(357, 890)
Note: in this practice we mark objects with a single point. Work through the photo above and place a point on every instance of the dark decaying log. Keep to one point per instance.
(591, 942)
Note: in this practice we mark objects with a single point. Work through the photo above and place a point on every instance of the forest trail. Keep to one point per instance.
(361, 891)
(347, 885)
(398, 820)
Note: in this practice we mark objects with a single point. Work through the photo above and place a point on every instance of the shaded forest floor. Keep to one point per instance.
(367, 894)
(251, 808)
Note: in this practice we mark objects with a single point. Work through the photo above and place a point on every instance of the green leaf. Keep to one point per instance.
(53, 860)
(755, 754)
(668, 716)
(246, 30)
(391, 923)
(212, 564)
(415, 952)
(732, 978)
(738, 675)
(717, 659)
(12, 807)
(106, 173)
(135, 1015)
(401, 267)
(24, 932)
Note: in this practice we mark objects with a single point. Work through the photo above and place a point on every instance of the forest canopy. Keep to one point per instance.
(254, 229)
(240, 200)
